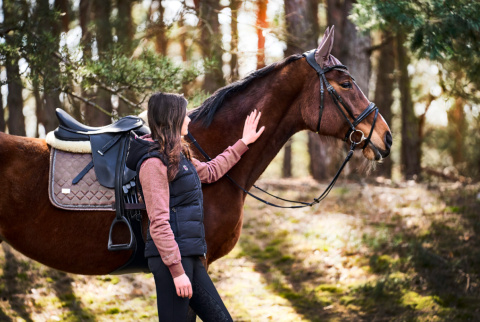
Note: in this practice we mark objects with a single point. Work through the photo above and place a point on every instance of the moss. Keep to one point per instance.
(454, 209)
(285, 259)
(22, 276)
(323, 300)
(382, 263)
(418, 302)
(113, 310)
(290, 295)
(346, 300)
(397, 276)
(114, 280)
(329, 288)
(341, 191)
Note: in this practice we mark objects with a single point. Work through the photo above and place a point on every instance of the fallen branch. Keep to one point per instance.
(447, 176)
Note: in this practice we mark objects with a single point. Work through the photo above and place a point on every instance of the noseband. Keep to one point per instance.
(337, 99)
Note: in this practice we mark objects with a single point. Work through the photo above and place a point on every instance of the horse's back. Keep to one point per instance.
(72, 241)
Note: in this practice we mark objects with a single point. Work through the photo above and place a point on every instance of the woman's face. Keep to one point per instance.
(186, 121)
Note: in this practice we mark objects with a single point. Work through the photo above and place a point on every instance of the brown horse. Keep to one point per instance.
(287, 94)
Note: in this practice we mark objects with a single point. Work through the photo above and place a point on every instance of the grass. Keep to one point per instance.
(413, 258)
(367, 253)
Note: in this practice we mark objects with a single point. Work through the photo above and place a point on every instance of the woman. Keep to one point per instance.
(170, 182)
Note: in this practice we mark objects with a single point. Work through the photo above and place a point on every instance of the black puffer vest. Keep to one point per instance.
(186, 203)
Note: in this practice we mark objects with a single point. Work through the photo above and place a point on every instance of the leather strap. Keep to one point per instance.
(337, 99)
(83, 172)
(302, 204)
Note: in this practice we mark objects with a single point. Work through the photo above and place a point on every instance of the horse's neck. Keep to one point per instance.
(281, 117)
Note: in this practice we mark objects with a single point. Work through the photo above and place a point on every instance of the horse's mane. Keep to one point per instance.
(207, 110)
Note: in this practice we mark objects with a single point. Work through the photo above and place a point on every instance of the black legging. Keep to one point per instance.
(205, 302)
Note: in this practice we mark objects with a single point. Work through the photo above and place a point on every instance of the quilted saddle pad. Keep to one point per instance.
(87, 194)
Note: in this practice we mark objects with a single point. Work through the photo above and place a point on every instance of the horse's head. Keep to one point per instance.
(337, 107)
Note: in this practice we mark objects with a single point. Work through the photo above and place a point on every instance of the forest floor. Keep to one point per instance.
(369, 252)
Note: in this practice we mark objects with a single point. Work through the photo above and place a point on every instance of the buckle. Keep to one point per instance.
(362, 138)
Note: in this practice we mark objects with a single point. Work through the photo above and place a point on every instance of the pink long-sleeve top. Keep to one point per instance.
(153, 176)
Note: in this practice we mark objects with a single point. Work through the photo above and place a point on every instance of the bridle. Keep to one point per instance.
(337, 99)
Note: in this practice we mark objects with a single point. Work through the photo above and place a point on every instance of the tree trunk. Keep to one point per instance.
(234, 6)
(2, 113)
(85, 13)
(410, 150)
(16, 120)
(211, 42)
(183, 39)
(355, 50)
(261, 26)
(384, 91)
(318, 157)
(124, 29)
(302, 25)
(159, 29)
(287, 160)
(124, 26)
(103, 35)
(458, 126)
(302, 35)
(51, 82)
(85, 9)
(336, 17)
(355, 55)
(352, 49)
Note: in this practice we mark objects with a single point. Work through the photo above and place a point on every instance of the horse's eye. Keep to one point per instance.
(346, 85)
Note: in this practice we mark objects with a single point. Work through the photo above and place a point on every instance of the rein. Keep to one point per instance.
(310, 56)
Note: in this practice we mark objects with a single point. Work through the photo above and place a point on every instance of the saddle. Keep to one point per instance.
(110, 179)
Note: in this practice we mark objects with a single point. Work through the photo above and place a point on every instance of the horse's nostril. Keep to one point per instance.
(388, 140)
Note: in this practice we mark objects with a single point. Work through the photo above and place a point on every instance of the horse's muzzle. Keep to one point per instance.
(383, 153)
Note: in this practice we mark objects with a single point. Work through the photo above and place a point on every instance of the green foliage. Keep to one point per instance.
(147, 73)
(447, 31)
(34, 36)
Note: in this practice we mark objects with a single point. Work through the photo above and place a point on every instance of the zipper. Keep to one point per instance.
(199, 185)
(176, 220)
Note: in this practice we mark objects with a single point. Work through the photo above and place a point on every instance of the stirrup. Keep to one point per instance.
(115, 247)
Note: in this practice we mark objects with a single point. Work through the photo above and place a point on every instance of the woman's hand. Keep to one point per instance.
(250, 133)
(183, 286)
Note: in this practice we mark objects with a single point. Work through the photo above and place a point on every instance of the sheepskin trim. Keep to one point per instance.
(144, 117)
(69, 146)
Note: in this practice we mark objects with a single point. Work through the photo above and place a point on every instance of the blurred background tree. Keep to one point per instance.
(447, 34)
(100, 60)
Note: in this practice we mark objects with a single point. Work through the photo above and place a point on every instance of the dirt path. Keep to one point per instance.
(369, 252)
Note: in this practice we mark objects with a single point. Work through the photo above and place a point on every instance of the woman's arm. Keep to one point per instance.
(215, 169)
(154, 180)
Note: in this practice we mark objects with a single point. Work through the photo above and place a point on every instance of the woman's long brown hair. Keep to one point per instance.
(166, 113)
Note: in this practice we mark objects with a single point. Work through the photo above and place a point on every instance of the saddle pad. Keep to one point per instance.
(87, 194)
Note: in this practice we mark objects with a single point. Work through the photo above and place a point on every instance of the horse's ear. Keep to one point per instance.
(323, 51)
